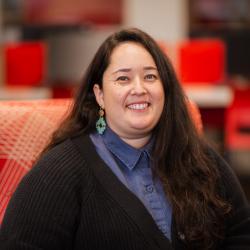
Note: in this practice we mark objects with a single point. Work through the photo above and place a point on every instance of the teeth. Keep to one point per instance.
(138, 106)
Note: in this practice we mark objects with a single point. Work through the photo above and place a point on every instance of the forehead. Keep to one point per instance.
(130, 52)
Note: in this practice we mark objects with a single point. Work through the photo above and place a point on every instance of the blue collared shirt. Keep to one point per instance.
(134, 169)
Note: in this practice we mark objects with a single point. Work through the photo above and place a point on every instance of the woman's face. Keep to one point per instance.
(132, 94)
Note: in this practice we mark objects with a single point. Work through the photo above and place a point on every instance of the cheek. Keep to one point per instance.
(120, 95)
(160, 100)
(114, 99)
(159, 95)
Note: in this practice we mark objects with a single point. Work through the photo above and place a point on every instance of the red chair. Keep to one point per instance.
(202, 61)
(25, 63)
(237, 122)
(25, 128)
(237, 132)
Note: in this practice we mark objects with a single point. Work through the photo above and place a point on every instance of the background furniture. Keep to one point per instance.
(237, 132)
(25, 63)
(25, 128)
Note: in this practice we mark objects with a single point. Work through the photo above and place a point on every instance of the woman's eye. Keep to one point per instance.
(150, 77)
(122, 78)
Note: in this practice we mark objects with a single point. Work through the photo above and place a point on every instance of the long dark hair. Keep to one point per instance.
(180, 154)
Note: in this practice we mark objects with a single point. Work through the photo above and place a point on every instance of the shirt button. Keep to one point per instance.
(149, 188)
(181, 236)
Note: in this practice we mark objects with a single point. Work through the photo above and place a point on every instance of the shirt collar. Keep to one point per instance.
(127, 154)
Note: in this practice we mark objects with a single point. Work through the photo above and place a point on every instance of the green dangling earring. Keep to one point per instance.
(100, 124)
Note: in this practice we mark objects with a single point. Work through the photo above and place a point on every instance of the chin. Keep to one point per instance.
(142, 124)
(142, 128)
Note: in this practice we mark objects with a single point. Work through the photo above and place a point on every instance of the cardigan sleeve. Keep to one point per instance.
(44, 210)
(238, 221)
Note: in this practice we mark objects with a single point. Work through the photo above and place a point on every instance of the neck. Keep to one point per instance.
(137, 142)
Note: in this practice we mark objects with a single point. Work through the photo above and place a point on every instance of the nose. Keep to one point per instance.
(138, 87)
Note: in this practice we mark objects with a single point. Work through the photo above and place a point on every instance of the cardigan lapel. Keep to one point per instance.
(124, 197)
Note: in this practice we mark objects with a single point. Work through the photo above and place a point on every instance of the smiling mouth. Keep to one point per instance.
(138, 106)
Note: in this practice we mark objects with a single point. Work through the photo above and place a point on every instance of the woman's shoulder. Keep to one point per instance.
(225, 170)
(230, 185)
(63, 155)
(52, 190)
(61, 165)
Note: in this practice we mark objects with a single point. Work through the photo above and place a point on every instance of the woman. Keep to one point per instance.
(127, 169)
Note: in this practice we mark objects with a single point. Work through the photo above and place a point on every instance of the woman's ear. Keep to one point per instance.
(98, 95)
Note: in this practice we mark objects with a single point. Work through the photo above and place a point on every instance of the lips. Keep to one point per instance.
(138, 106)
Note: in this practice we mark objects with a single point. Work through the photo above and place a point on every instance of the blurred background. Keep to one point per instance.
(46, 45)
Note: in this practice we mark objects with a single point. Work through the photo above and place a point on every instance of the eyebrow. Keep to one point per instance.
(149, 68)
(122, 70)
(129, 69)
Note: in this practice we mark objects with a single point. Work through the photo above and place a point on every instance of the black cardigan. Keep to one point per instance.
(71, 200)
